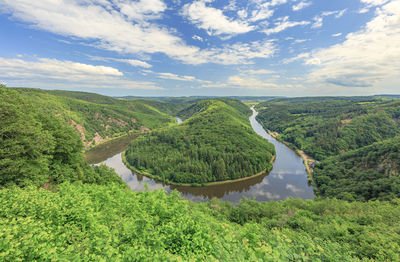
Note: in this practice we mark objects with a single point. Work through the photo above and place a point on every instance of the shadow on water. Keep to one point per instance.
(288, 177)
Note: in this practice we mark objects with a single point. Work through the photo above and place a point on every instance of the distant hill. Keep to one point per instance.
(193, 99)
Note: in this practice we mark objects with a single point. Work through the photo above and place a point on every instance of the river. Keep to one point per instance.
(288, 177)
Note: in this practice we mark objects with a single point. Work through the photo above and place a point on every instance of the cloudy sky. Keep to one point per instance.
(203, 47)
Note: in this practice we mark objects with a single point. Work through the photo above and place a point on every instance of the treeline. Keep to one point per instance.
(215, 143)
(96, 117)
(339, 134)
(39, 149)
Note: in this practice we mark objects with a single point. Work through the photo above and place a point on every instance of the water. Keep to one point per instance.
(288, 178)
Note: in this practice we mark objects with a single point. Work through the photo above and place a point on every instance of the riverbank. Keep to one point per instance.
(307, 160)
(156, 178)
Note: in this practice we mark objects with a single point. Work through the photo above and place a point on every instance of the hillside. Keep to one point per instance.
(39, 149)
(55, 207)
(214, 143)
(323, 129)
(368, 173)
(97, 117)
(354, 139)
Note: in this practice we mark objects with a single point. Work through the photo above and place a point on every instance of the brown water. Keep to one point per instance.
(288, 177)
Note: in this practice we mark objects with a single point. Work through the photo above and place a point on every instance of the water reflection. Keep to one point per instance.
(288, 178)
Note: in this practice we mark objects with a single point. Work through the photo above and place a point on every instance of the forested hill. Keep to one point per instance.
(327, 128)
(40, 149)
(368, 173)
(97, 117)
(355, 140)
(55, 207)
(215, 143)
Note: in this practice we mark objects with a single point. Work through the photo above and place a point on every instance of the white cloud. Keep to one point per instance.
(371, 3)
(48, 72)
(132, 62)
(240, 82)
(337, 35)
(319, 19)
(300, 56)
(239, 53)
(171, 76)
(98, 23)
(258, 72)
(213, 20)
(263, 9)
(301, 5)
(199, 38)
(365, 58)
(283, 24)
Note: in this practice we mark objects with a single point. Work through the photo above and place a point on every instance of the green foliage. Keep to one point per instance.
(99, 117)
(109, 223)
(215, 143)
(353, 139)
(38, 148)
(368, 173)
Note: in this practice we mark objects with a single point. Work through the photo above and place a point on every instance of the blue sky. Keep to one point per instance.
(204, 47)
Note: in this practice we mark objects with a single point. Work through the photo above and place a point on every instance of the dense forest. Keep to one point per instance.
(98, 117)
(214, 143)
(368, 173)
(353, 138)
(53, 206)
(40, 149)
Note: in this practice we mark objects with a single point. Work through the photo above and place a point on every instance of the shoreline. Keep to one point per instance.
(300, 153)
(146, 174)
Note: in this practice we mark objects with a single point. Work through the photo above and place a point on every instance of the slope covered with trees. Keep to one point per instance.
(323, 129)
(97, 117)
(55, 207)
(39, 148)
(368, 173)
(354, 139)
(214, 143)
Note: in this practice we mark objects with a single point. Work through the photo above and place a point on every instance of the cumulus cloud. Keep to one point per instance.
(52, 71)
(366, 57)
(301, 5)
(132, 32)
(283, 24)
(213, 20)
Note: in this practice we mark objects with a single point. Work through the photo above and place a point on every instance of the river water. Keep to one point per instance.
(288, 177)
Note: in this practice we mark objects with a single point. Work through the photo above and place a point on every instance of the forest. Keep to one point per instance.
(54, 206)
(98, 118)
(205, 147)
(355, 140)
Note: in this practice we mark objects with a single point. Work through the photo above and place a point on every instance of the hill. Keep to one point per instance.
(39, 149)
(328, 128)
(368, 173)
(356, 142)
(97, 117)
(54, 206)
(214, 143)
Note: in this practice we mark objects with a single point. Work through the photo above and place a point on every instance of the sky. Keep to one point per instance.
(202, 47)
